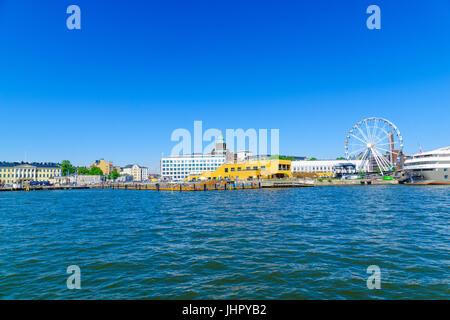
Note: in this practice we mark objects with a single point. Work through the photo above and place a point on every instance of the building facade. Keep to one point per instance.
(180, 167)
(324, 167)
(19, 172)
(249, 170)
(137, 172)
(106, 166)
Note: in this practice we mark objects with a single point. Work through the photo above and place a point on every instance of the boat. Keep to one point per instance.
(431, 167)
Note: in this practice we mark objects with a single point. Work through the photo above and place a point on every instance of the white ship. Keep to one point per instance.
(432, 167)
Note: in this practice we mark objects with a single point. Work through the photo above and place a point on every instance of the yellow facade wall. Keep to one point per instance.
(106, 167)
(255, 169)
(20, 173)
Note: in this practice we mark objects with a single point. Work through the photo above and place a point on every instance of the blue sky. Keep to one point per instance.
(137, 70)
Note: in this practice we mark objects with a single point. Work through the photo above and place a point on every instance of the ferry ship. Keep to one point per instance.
(432, 167)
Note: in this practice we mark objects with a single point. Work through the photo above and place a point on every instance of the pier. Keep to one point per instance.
(186, 186)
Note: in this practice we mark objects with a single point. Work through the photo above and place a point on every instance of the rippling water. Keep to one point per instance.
(311, 243)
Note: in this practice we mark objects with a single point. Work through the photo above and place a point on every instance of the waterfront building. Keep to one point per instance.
(431, 167)
(326, 167)
(242, 156)
(124, 178)
(137, 172)
(249, 170)
(19, 172)
(106, 166)
(180, 167)
(79, 179)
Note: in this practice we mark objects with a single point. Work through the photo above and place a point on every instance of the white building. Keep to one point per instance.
(137, 172)
(180, 167)
(242, 156)
(323, 166)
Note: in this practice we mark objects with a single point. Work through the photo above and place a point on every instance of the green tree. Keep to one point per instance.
(96, 171)
(277, 156)
(312, 159)
(66, 168)
(340, 158)
(113, 175)
(82, 171)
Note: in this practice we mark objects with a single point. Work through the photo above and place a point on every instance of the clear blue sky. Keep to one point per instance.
(137, 70)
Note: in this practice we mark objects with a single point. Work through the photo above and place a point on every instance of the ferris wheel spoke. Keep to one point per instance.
(383, 132)
(387, 150)
(383, 162)
(363, 158)
(383, 159)
(358, 138)
(357, 145)
(382, 139)
(378, 162)
(375, 128)
(383, 144)
(362, 133)
(363, 161)
(368, 131)
(357, 150)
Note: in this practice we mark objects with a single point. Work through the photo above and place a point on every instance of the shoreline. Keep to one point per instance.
(215, 186)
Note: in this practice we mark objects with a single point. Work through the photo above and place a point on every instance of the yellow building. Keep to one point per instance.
(106, 167)
(250, 170)
(19, 172)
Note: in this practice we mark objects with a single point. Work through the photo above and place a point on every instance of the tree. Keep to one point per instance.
(82, 171)
(66, 168)
(340, 158)
(113, 175)
(96, 171)
(312, 159)
(281, 157)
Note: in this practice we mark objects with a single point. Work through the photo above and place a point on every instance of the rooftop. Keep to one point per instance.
(35, 164)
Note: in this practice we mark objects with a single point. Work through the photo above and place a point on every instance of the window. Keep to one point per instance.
(446, 177)
(226, 169)
(232, 169)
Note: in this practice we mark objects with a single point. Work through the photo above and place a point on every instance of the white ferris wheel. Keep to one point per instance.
(376, 142)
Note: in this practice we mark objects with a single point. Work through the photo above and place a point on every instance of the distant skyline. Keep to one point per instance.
(138, 70)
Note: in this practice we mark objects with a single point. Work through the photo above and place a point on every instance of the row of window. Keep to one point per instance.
(25, 175)
(194, 160)
(190, 165)
(232, 169)
(25, 170)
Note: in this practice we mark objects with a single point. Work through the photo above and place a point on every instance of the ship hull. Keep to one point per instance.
(433, 176)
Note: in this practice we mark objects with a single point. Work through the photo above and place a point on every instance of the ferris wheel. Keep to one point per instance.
(376, 142)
